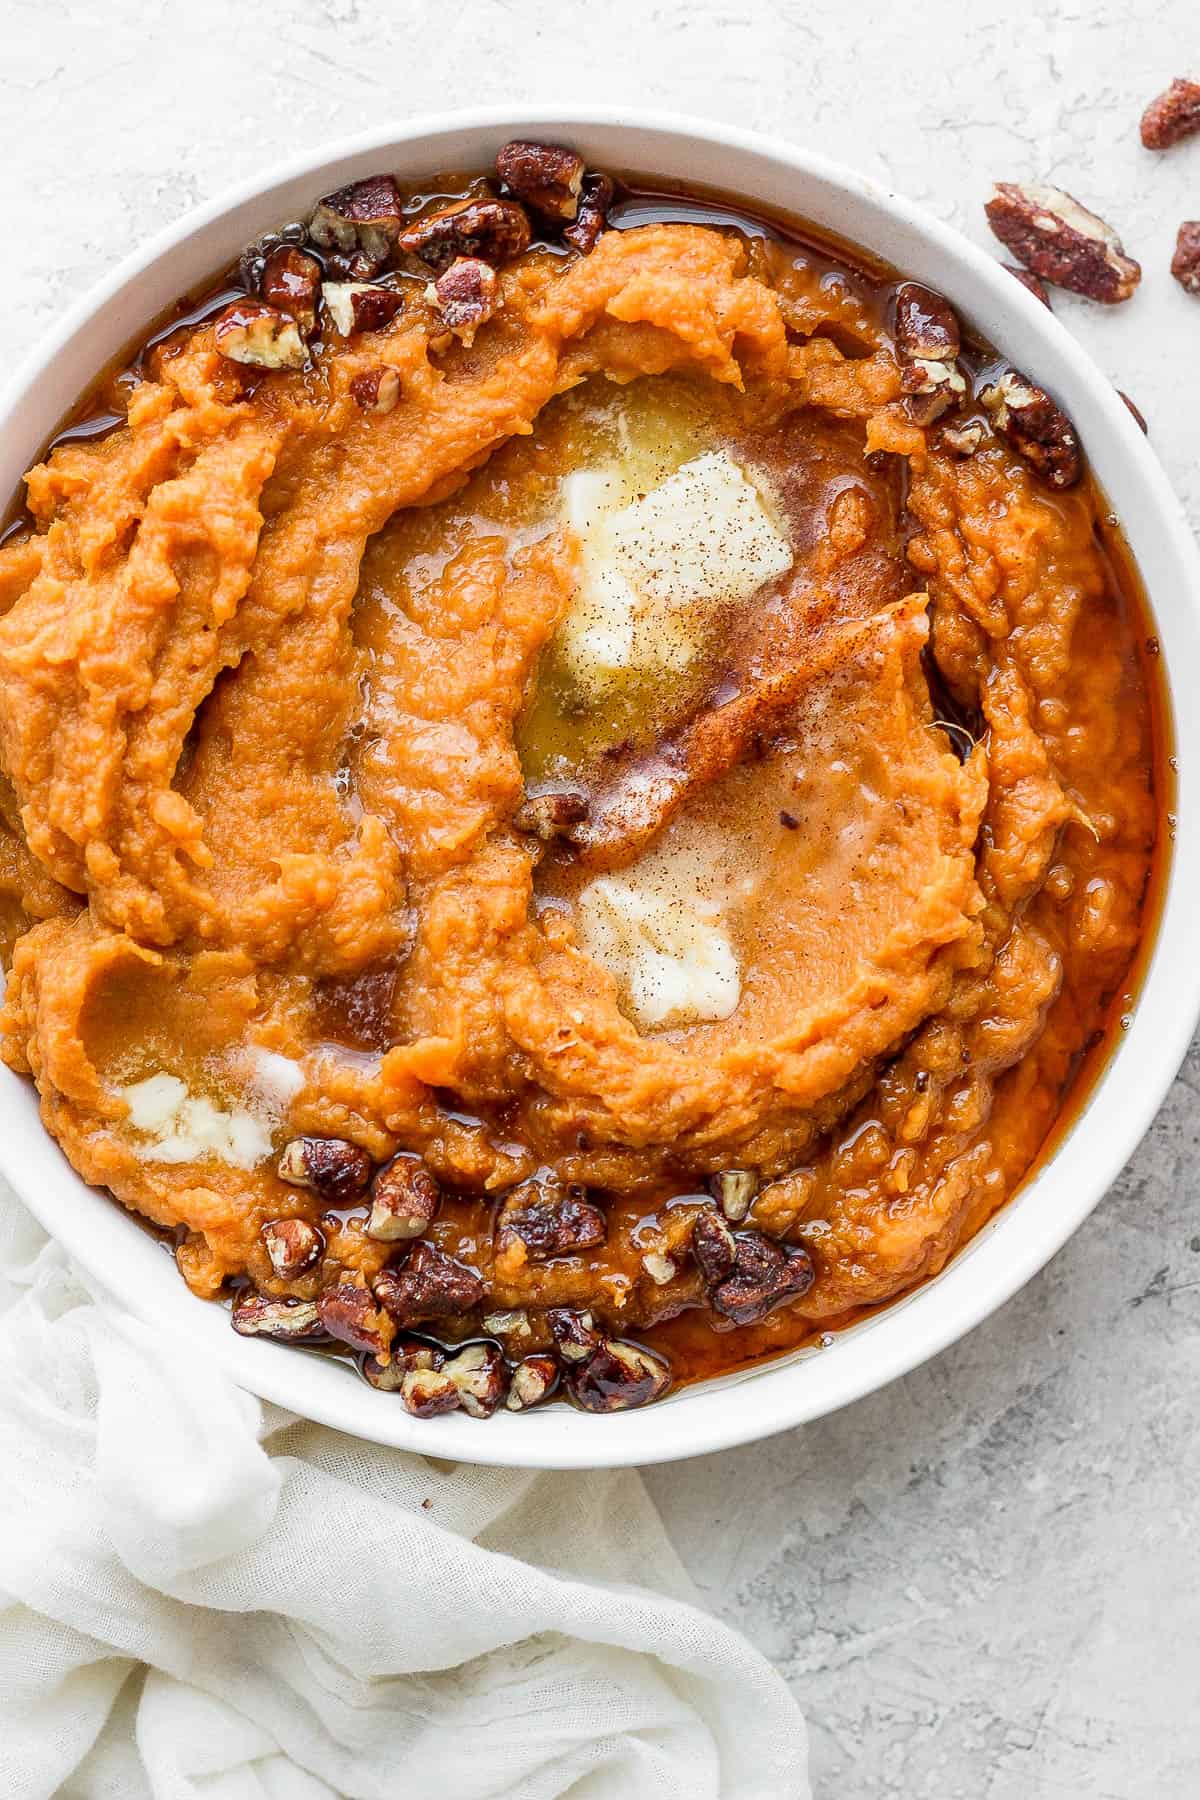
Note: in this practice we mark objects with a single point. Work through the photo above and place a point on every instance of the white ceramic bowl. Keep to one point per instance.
(1028, 1231)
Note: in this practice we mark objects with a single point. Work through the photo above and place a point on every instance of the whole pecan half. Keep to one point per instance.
(332, 1167)
(255, 1315)
(1185, 264)
(262, 337)
(292, 281)
(376, 390)
(364, 217)
(293, 1246)
(591, 219)
(361, 305)
(533, 1380)
(427, 1285)
(1051, 233)
(494, 230)
(545, 176)
(1172, 116)
(349, 1314)
(714, 1246)
(765, 1274)
(617, 1376)
(466, 295)
(404, 1200)
(1036, 427)
(549, 1221)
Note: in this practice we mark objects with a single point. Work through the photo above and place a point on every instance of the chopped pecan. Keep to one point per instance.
(735, 1189)
(363, 218)
(1138, 415)
(466, 295)
(550, 814)
(254, 1315)
(332, 1167)
(428, 1392)
(251, 332)
(361, 305)
(533, 1379)
(928, 342)
(616, 1376)
(495, 231)
(659, 1268)
(965, 439)
(291, 281)
(404, 1200)
(507, 1324)
(545, 176)
(405, 1354)
(427, 1285)
(480, 1375)
(765, 1274)
(349, 1314)
(714, 1246)
(1028, 279)
(376, 390)
(1172, 116)
(574, 1333)
(592, 217)
(1036, 427)
(293, 1246)
(1185, 264)
(1060, 240)
(549, 1222)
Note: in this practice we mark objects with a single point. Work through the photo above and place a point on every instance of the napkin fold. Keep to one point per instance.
(203, 1597)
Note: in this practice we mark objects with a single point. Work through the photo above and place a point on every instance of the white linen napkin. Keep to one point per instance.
(205, 1598)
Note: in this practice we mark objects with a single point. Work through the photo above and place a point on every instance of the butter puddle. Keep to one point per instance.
(182, 1127)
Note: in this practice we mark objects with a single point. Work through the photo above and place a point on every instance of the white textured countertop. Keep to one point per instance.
(985, 1581)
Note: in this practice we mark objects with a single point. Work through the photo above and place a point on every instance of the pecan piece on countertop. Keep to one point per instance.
(714, 1246)
(545, 176)
(349, 1314)
(404, 1200)
(332, 1167)
(573, 1332)
(1185, 264)
(255, 1315)
(260, 336)
(405, 1354)
(549, 1221)
(293, 1245)
(1029, 280)
(734, 1191)
(1060, 240)
(1172, 116)
(764, 1275)
(362, 219)
(1136, 412)
(928, 341)
(495, 231)
(591, 220)
(428, 1284)
(426, 1393)
(466, 295)
(291, 281)
(480, 1374)
(376, 390)
(551, 813)
(361, 305)
(1036, 427)
(533, 1380)
(617, 1376)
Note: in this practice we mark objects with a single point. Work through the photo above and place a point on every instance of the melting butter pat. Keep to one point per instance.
(658, 931)
(181, 1128)
(654, 570)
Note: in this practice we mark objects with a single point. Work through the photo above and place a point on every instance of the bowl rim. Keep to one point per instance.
(1017, 1241)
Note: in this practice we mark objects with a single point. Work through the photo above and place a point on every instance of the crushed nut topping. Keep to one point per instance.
(591, 219)
(404, 1354)
(1172, 116)
(765, 1275)
(291, 281)
(928, 342)
(332, 1167)
(548, 1221)
(1060, 240)
(574, 1333)
(533, 1380)
(617, 1376)
(545, 176)
(1185, 264)
(364, 217)
(251, 332)
(255, 1315)
(495, 231)
(1036, 427)
(481, 1378)
(361, 305)
(550, 815)
(659, 1268)
(735, 1189)
(426, 1393)
(404, 1200)
(349, 1314)
(293, 1246)
(427, 1285)
(714, 1246)
(964, 440)
(467, 294)
(376, 390)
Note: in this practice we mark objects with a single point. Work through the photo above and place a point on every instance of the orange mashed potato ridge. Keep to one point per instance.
(264, 666)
